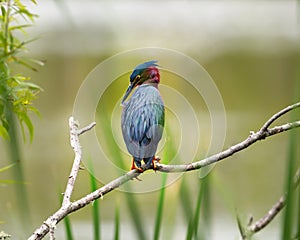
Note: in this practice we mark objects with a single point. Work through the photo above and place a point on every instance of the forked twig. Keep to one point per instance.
(274, 210)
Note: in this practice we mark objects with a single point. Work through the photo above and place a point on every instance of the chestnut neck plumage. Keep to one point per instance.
(153, 77)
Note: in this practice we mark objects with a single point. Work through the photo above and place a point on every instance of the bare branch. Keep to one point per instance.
(74, 141)
(275, 209)
(87, 128)
(278, 115)
(52, 233)
(254, 137)
(68, 206)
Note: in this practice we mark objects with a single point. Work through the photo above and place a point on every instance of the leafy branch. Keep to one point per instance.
(69, 206)
(16, 91)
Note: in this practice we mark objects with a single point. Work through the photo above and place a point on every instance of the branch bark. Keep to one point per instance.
(69, 207)
(75, 144)
(274, 210)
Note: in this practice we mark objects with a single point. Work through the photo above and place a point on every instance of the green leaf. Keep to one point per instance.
(26, 64)
(36, 61)
(3, 132)
(95, 205)
(29, 125)
(33, 109)
(31, 86)
(3, 11)
(11, 182)
(7, 167)
(20, 27)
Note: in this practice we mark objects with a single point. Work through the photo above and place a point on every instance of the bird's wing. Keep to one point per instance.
(147, 124)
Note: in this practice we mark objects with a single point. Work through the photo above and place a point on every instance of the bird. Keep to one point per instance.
(143, 115)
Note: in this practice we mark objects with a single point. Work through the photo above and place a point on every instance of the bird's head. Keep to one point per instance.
(146, 72)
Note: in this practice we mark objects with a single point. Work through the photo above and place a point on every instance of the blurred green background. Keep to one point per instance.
(251, 50)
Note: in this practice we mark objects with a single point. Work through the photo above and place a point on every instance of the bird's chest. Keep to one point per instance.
(142, 99)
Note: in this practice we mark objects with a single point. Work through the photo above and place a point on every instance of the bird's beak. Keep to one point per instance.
(132, 85)
(128, 91)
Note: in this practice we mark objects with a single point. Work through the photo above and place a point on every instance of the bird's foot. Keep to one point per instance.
(154, 160)
(140, 170)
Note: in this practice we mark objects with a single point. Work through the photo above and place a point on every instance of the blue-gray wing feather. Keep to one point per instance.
(147, 123)
(143, 121)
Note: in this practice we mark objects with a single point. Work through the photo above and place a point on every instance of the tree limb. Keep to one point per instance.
(69, 207)
(253, 137)
(275, 209)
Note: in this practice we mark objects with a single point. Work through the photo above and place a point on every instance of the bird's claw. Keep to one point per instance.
(154, 160)
(140, 170)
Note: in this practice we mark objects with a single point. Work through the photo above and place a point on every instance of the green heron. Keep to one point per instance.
(143, 115)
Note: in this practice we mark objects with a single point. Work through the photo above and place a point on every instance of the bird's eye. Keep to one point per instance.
(137, 78)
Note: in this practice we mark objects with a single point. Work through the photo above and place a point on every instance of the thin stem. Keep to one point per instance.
(6, 26)
(279, 114)
(274, 210)
(75, 144)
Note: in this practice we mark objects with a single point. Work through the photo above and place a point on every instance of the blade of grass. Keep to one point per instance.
(241, 227)
(194, 219)
(159, 214)
(189, 233)
(288, 220)
(18, 171)
(117, 223)
(185, 199)
(68, 228)
(197, 212)
(95, 205)
(204, 204)
(67, 223)
(298, 216)
(297, 150)
(287, 223)
(135, 215)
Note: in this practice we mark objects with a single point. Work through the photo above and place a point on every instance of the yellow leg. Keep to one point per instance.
(155, 159)
(134, 167)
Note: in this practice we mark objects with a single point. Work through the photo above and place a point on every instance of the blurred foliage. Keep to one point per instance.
(16, 91)
(95, 206)
(290, 219)
(5, 168)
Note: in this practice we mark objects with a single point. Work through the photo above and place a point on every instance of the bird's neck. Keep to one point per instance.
(151, 83)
